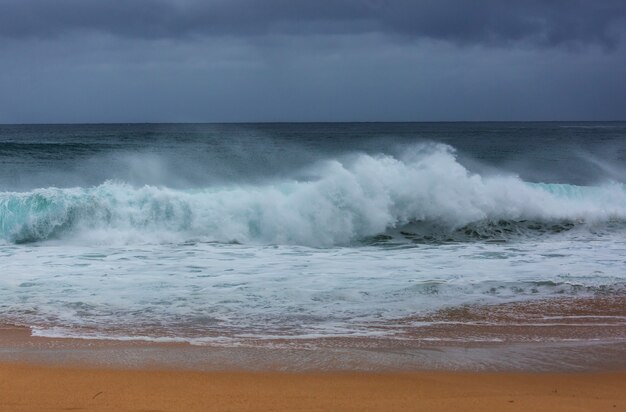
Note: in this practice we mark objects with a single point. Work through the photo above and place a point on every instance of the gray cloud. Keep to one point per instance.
(538, 22)
(291, 60)
(365, 78)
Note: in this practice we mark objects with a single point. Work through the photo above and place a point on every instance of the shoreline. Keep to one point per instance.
(555, 335)
(580, 365)
(18, 346)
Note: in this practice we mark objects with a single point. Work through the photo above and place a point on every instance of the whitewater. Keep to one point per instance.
(219, 244)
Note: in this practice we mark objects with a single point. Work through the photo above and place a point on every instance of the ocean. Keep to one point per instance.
(227, 234)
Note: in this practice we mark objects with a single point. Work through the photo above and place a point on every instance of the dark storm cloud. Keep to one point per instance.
(547, 22)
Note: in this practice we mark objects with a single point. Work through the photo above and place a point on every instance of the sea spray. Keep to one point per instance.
(230, 234)
(350, 199)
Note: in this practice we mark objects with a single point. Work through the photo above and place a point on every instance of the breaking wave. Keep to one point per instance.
(423, 195)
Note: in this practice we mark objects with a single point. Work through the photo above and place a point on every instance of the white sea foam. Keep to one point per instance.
(208, 291)
(291, 257)
(352, 198)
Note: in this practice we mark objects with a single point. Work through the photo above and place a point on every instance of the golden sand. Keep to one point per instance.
(74, 374)
(26, 387)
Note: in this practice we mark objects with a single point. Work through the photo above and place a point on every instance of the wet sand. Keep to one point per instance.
(26, 387)
(561, 355)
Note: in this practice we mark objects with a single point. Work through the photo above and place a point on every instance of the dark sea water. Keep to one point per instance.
(220, 232)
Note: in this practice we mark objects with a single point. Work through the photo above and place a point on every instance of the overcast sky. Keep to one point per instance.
(307, 60)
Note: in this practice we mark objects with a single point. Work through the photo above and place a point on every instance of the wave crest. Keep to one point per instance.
(349, 200)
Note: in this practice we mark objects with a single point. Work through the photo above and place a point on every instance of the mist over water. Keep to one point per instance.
(188, 156)
(213, 230)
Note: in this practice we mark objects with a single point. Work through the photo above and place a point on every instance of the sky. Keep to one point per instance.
(91, 61)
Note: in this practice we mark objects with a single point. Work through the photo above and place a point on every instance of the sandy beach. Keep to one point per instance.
(569, 369)
(42, 373)
(35, 387)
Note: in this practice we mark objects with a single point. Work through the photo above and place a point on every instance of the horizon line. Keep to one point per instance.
(306, 122)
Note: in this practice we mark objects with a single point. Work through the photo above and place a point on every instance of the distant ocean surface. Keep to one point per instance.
(220, 233)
